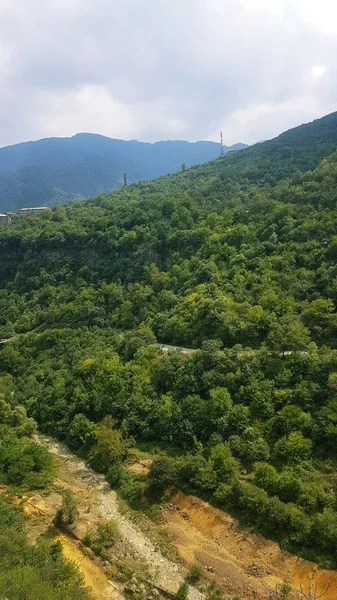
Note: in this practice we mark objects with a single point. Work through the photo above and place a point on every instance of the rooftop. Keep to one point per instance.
(35, 208)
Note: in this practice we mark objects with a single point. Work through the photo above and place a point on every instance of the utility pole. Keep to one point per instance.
(125, 180)
(221, 144)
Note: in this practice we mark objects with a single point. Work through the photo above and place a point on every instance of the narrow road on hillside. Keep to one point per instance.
(183, 350)
(242, 353)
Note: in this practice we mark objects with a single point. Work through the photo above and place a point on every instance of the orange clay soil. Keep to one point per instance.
(99, 586)
(241, 563)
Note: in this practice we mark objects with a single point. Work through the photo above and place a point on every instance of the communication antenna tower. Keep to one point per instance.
(221, 144)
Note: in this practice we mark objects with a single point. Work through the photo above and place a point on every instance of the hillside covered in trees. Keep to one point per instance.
(27, 570)
(56, 170)
(236, 259)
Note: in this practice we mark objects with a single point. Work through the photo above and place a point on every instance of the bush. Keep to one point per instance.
(68, 512)
(266, 477)
(163, 472)
(108, 533)
(289, 486)
(224, 464)
(223, 493)
(293, 449)
(154, 513)
(22, 462)
(194, 574)
(196, 474)
(115, 475)
(82, 432)
(104, 538)
(131, 490)
(182, 592)
(108, 448)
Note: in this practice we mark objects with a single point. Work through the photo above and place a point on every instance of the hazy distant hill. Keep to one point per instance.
(52, 171)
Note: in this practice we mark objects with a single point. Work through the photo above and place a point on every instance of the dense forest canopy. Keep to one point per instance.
(236, 259)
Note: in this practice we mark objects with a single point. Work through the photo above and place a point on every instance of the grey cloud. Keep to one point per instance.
(171, 68)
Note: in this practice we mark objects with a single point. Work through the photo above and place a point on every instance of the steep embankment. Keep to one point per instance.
(99, 585)
(241, 562)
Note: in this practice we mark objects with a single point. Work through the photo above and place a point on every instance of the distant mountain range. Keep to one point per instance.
(55, 170)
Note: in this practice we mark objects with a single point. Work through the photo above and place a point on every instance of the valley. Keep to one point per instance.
(97, 503)
(213, 453)
(168, 300)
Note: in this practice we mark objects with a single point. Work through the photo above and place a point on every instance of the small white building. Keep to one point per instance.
(33, 209)
(5, 219)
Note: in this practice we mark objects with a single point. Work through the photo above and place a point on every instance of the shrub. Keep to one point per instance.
(162, 472)
(82, 432)
(266, 477)
(194, 574)
(115, 475)
(131, 490)
(68, 512)
(223, 493)
(293, 449)
(104, 538)
(182, 592)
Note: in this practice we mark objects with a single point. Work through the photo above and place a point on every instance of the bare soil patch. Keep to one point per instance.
(241, 563)
(97, 503)
(101, 588)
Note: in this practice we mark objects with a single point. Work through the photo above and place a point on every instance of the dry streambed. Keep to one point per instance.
(98, 503)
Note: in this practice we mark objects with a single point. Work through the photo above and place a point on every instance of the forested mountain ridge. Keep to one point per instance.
(55, 170)
(202, 227)
(298, 149)
(229, 255)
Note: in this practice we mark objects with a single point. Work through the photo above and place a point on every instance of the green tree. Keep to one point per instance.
(82, 432)
(108, 448)
(224, 464)
(162, 472)
(293, 448)
(288, 334)
(266, 477)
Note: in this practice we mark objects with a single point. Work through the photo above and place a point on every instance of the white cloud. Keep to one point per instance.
(322, 15)
(262, 121)
(318, 71)
(96, 111)
(165, 68)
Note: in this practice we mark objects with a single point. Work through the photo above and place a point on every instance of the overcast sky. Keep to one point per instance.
(165, 69)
